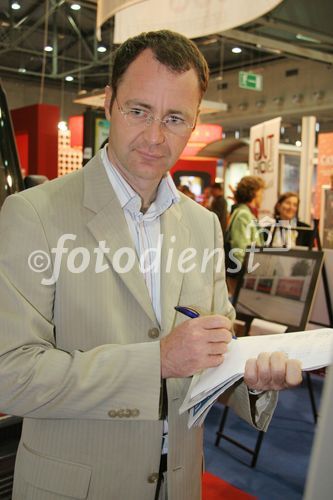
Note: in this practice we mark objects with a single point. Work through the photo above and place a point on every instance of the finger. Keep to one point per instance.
(293, 372)
(251, 373)
(215, 361)
(278, 363)
(217, 348)
(218, 336)
(215, 321)
(264, 370)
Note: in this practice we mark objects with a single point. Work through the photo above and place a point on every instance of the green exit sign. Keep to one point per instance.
(249, 81)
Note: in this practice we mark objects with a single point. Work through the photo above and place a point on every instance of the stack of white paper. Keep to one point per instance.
(314, 349)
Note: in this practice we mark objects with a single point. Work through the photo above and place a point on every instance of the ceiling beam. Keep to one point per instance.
(278, 45)
(33, 27)
(48, 55)
(81, 36)
(293, 28)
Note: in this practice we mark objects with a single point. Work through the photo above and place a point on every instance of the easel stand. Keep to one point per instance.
(314, 239)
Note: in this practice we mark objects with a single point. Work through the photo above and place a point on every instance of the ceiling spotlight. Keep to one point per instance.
(298, 144)
(75, 6)
(69, 78)
(296, 98)
(22, 70)
(260, 104)
(48, 48)
(243, 106)
(101, 48)
(278, 100)
(318, 95)
(15, 6)
(236, 50)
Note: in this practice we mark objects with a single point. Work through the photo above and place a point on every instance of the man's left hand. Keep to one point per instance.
(272, 371)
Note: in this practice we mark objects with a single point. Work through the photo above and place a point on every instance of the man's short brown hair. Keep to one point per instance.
(175, 51)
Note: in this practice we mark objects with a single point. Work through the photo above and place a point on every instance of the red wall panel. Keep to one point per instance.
(40, 123)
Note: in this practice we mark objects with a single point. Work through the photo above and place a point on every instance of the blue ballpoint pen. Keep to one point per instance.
(191, 313)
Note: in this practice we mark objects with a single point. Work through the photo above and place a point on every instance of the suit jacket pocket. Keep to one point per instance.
(55, 476)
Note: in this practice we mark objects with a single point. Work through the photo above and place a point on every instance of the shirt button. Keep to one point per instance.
(113, 413)
(153, 333)
(135, 412)
(153, 478)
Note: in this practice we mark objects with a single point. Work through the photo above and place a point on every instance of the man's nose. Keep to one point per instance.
(155, 132)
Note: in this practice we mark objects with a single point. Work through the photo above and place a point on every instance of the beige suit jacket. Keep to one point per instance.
(79, 359)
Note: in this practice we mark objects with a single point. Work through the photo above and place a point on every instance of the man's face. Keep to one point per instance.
(144, 153)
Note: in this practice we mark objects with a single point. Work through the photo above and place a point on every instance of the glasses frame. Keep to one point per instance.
(150, 119)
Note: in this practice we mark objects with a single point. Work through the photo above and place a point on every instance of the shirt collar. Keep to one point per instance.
(167, 193)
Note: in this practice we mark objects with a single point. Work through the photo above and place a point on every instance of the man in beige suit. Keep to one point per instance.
(92, 352)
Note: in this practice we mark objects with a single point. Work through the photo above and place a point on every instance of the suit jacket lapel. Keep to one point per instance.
(109, 225)
(176, 237)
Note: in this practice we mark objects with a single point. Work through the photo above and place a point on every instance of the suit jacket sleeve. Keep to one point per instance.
(37, 379)
(258, 411)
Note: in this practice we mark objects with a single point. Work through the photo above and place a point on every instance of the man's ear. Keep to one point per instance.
(107, 102)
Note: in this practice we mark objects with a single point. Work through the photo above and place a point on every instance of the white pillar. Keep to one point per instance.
(306, 171)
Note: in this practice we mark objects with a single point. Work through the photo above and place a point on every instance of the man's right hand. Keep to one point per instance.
(194, 345)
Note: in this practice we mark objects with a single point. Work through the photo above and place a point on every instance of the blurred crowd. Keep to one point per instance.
(239, 224)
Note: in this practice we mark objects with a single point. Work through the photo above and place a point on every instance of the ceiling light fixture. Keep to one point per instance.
(69, 78)
(15, 6)
(297, 98)
(236, 50)
(278, 100)
(101, 48)
(75, 6)
(298, 144)
(305, 38)
(22, 70)
(260, 103)
(48, 48)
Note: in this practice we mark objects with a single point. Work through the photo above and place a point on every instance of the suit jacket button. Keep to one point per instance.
(153, 333)
(113, 413)
(153, 478)
(135, 412)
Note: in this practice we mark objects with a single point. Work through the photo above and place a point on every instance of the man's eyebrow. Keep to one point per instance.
(137, 102)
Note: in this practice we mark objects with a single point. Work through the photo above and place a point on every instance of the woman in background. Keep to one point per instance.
(286, 213)
(243, 230)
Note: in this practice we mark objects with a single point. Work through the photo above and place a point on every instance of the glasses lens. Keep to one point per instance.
(180, 128)
(136, 117)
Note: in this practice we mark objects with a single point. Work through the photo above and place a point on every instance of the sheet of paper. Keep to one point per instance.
(313, 348)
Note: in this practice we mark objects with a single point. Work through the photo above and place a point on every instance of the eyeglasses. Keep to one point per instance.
(136, 116)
